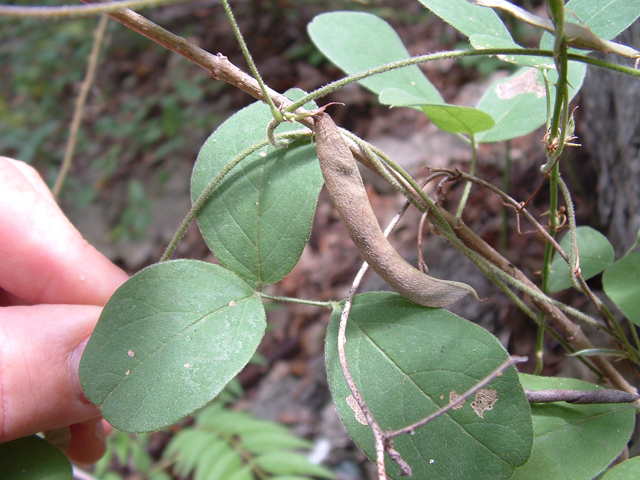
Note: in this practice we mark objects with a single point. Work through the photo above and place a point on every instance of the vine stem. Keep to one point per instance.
(252, 66)
(81, 100)
(510, 362)
(472, 169)
(548, 251)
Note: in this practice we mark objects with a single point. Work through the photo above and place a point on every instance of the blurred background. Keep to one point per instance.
(149, 111)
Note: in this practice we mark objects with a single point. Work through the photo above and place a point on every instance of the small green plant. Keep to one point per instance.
(221, 443)
(420, 390)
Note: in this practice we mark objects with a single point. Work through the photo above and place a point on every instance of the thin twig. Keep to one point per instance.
(80, 103)
(510, 362)
(421, 263)
(279, 298)
(342, 356)
(78, 10)
(582, 397)
(472, 169)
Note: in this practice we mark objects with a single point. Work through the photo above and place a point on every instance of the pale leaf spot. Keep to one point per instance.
(130, 353)
(353, 403)
(523, 83)
(486, 398)
(453, 396)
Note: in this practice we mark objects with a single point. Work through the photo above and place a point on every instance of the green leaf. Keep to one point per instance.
(469, 19)
(406, 361)
(595, 254)
(189, 446)
(625, 471)
(289, 463)
(564, 434)
(518, 103)
(229, 422)
(264, 442)
(357, 41)
(621, 283)
(450, 118)
(208, 461)
(168, 341)
(245, 473)
(161, 475)
(227, 463)
(259, 218)
(32, 458)
(289, 477)
(605, 18)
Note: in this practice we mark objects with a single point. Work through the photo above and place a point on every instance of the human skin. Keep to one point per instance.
(53, 285)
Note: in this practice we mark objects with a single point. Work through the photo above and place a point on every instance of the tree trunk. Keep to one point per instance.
(611, 136)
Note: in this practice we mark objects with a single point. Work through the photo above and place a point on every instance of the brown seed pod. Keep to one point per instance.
(344, 183)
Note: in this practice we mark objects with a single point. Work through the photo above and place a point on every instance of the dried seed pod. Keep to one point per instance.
(344, 183)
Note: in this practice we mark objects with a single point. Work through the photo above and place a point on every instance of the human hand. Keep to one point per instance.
(52, 287)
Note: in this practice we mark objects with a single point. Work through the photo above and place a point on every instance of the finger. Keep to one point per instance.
(34, 179)
(43, 258)
(88, 442)
(40, 350)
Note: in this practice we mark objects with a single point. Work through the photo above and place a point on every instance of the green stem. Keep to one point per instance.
(331, 305)
(506, 181)
(375, 161)
(206, 194)
(548, 251)
(574, 262)
(472, 169)
(538, 320)
(247, 55)
(634, 333)
(334, 86)
(338, 84)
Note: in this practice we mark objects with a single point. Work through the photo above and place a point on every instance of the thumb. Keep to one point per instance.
(40, 350)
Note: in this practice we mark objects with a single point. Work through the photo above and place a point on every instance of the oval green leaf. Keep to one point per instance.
(33, 458)
(450, 118)
(564, 444)
(518, 103)
(625, 471)
(621, 283)
(168, 341)
(595, 253)
(469, 19)
(259, 218)
(406, 361)
(357, 41)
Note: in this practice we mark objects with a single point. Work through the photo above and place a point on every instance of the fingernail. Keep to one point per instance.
(74, 362)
